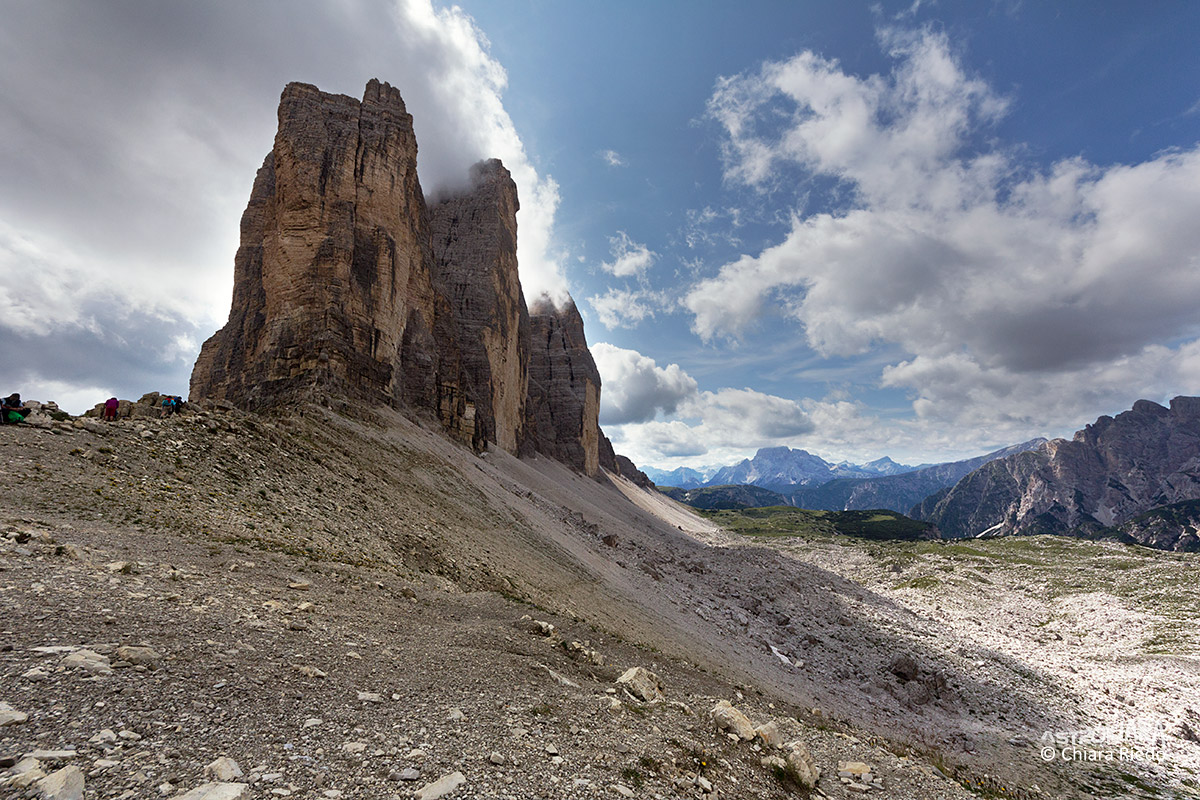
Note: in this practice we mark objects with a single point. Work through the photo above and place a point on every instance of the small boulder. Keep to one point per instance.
(10, 716)
(139, 656)
(904, 667)
(642, 684)
(63, 784)
(223, 770)
(217, 791)
(800, 766)
(88, 661)
(442, 787)
(770, 734)
(730, 719)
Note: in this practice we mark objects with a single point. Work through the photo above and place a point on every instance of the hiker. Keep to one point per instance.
(13, 410)
(169, 405)
(110, 408)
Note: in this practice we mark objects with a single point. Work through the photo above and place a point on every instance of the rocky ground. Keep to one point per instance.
(1107, 627)
(352, 607)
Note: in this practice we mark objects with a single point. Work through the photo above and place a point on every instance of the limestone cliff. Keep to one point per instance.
(1112, 471)
(346, 285)
(475, 250)
(563, 407)
(333, 284)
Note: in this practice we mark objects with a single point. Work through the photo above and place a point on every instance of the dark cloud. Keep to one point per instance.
(130, 133)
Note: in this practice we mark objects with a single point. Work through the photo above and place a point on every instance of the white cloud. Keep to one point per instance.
(634, 388)
(458, 113)
(622, 308)
(612, 158)
(1003, 281)
(630, 259)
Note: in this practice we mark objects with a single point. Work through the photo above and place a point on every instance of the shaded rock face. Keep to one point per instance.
(1112, 471)
(333, 284)
(475, 250)
(563, 407)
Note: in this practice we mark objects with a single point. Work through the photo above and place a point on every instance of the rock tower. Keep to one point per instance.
(347, 285)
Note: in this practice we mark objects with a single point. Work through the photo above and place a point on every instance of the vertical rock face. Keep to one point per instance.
(346, 285)
(563, 408)
(333, 284)
(475, 252)
(1112, 471)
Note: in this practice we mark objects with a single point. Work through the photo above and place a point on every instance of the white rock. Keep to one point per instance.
(10, 716)
(52, 755)
(88, 661)
(217, 791)
(223, 770)
(63, 784)
(730, 719)
(106, 736)
(442, 787)
(370, 697)
(642, 684)
(800, 765)
(354, 747)
(770, 734)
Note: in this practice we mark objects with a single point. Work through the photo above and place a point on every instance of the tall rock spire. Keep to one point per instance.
(563, 409)
(347, 286)
(475, 251)
(333, 282)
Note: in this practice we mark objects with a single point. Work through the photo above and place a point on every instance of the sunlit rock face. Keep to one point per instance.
(347, 285)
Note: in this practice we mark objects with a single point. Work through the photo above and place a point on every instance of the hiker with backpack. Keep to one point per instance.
(110, 409)
(12, 410)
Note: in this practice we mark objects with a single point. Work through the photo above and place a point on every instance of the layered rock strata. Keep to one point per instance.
(333, 284)
(346, 285)
(563, 407)
(1110, 472)
(475, 251)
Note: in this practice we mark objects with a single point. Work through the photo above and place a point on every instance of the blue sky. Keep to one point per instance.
(921, 230)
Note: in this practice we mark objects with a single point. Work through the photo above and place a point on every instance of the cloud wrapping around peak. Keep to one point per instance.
(991, 272)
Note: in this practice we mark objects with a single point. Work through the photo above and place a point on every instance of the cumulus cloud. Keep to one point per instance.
(635, 388)
(620, 308)
(630, 259)
(132, 133)
(998, 277)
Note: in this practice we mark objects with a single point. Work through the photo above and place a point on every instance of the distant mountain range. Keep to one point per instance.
(776, 468)
(897, 492)
(783, 476)
(1132, 477)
